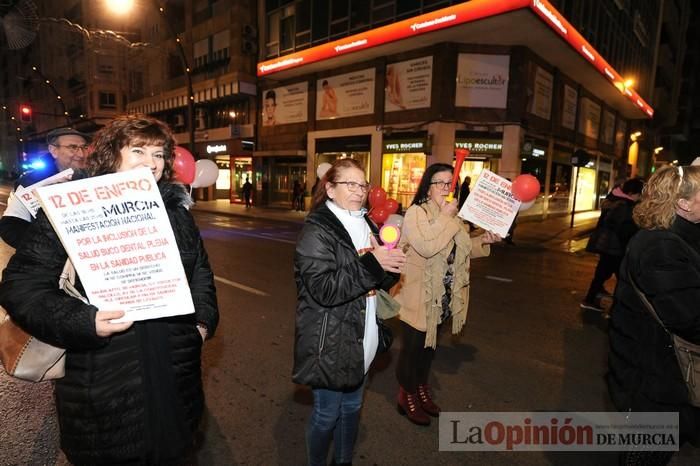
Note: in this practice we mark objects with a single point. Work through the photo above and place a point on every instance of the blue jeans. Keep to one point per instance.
(336, 416)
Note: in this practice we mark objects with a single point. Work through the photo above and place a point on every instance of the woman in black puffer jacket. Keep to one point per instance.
(132, 392)
(663, 262)
(338, 265)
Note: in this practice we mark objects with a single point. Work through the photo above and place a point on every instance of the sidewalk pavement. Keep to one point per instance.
(555, 232)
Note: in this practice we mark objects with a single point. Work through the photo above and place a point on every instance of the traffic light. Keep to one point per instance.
(25, 113)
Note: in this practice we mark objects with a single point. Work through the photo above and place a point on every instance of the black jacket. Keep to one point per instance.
(615, 227)
(643, 371)
(332, 284)
(136, 396)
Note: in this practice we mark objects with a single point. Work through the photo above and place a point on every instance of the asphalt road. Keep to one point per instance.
(526, 347)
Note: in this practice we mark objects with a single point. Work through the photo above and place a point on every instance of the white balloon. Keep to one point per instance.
(206, 173)
(394, 219)
(526, 205)
(323, 168)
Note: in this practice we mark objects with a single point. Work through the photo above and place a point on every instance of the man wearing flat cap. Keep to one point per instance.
(68, 149)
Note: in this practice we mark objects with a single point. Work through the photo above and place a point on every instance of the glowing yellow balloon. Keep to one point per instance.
(389, 235)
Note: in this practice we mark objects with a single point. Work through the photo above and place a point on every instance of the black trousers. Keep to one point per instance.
(413, 367)
(607, 266)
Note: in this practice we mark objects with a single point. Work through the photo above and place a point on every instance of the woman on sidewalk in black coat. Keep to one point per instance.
(338, 265)
(132, 392)
(663, 261)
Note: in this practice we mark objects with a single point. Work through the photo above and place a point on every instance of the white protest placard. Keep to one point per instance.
(26, 195)
(116, 232)
(491, 204)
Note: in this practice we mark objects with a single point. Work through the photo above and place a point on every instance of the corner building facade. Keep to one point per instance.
(511, 81)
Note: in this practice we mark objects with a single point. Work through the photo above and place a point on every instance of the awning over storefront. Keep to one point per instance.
(535, 24)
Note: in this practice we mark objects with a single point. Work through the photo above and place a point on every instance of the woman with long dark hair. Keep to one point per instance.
(132, 391)
(433, 287)
(338, 265)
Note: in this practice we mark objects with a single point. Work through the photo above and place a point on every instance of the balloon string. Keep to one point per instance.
(190, 190)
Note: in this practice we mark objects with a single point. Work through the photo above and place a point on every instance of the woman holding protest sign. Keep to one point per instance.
(132, 392)
(434, 285)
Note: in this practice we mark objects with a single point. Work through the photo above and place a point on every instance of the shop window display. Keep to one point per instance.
(401, 174)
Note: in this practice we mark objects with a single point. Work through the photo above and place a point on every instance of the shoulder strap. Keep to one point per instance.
(646, 302)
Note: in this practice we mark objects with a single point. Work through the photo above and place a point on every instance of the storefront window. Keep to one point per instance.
(473, 168)
(585, 189)
(284, 173)
(330, 157)
(560, 188)
(401, 174)
(223, 182)
(241, 168)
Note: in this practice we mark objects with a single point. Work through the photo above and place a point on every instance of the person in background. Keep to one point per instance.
(297, 196)
(132, 392)
(663, 263)
(68, 148)
(464, 192)
(613, 232)
(338, 265)
(434, 286)
(247, 192)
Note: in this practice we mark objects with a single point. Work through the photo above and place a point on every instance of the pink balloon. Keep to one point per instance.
(184, 165)
(525, 188)
(391, 205)
(377, 197)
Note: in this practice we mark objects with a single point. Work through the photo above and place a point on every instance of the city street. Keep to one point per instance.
(526, 347)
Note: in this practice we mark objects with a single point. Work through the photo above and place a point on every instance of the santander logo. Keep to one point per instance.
(551, 16)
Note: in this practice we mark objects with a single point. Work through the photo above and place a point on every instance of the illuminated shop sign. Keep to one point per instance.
(451, 16)
(404, 146)
(480, 146)
(216, 148)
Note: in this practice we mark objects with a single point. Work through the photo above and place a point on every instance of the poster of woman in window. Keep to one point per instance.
(286, 104)
(408, 84)
(345, 95)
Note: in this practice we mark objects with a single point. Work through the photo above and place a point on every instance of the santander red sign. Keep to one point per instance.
(451, 16)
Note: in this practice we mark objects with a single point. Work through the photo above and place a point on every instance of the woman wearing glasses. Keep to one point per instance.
(132, 391)
(338, 265)
(662, 263)
(434, 285)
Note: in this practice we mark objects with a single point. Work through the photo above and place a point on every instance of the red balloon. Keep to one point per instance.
(380, 214)
(377, 196)
(391, 205)
(184, 165)
(525, 188)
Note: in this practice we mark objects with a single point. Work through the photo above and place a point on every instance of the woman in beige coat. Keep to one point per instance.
(434, 285)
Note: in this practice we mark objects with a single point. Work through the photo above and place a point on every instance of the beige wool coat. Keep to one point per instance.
(427, 237)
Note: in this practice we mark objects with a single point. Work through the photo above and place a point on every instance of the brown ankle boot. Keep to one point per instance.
(408, 405)
(426, 400)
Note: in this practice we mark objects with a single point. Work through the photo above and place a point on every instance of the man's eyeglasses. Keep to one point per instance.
(72, 147)
(353, 187)
(442, 184)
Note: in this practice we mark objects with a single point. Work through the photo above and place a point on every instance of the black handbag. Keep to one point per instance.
(385, 335)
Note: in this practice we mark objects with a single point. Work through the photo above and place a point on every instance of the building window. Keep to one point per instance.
(108, 100)
(281, 32)
(201, 52)
(221, 43)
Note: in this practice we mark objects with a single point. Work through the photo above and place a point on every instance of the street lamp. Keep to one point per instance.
(124, 6)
